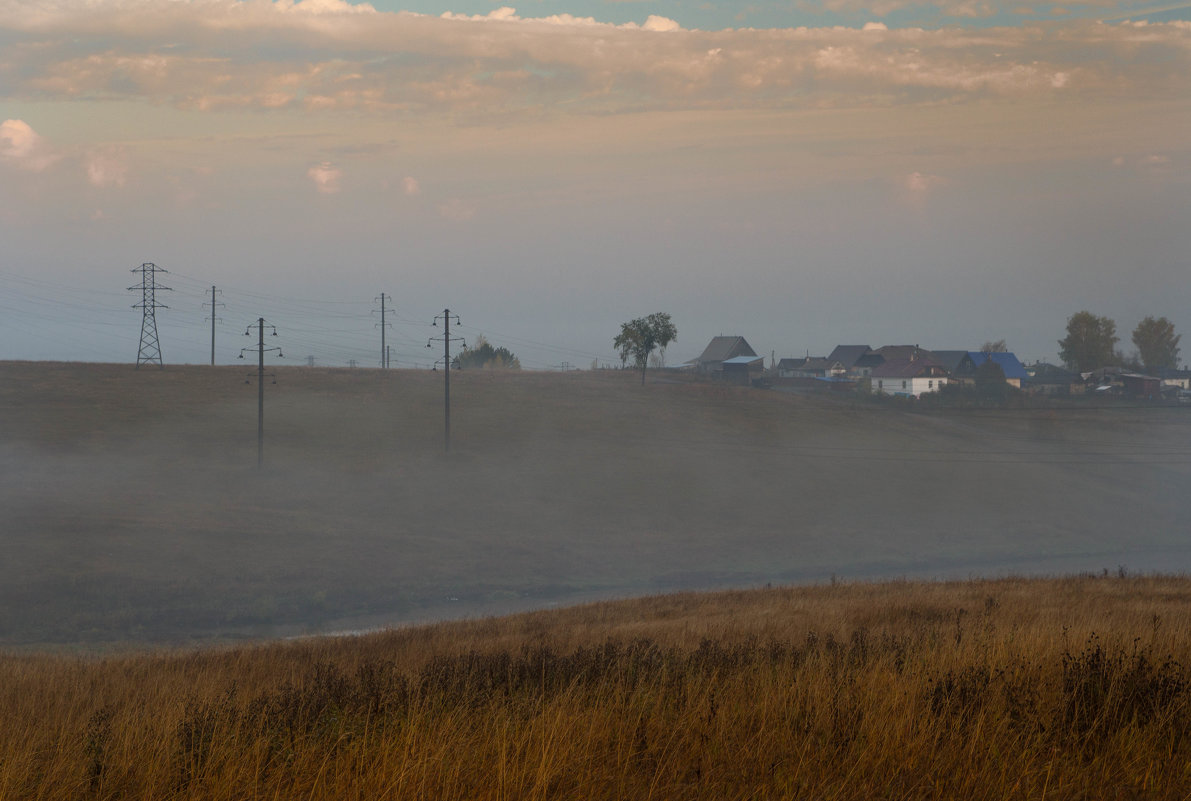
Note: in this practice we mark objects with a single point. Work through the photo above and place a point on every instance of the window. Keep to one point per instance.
(903, 385)
(930, 384)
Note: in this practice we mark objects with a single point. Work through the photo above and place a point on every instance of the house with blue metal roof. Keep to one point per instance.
(1014, 370)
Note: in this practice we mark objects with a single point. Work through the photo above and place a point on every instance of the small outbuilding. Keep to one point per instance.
(741, 370)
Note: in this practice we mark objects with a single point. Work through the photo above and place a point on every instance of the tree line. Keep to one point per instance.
(1091, 342)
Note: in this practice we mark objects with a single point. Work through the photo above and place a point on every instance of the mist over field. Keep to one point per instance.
(133, 509)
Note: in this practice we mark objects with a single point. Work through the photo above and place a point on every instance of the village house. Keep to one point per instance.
(854, 361)
(1050, 379)
(1013, 370)
(1179, 379)
(909, 377)
(719, 350)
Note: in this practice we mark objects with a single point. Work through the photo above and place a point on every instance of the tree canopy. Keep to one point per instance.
(482, 355)
(1157, 344)
(639, 338)
(998, 346)
(1090, 342)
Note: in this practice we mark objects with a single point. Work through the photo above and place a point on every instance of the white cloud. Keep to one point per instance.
(21, 146)
(410, 186)
(662, 24)
(324, 7)
(326, 177)
(106, 167)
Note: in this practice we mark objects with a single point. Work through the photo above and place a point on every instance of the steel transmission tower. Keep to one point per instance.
(150, 350)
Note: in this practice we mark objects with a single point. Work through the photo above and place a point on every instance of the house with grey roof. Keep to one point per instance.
(957, 363)
(909, 377)
(719, 350)
(856, 361)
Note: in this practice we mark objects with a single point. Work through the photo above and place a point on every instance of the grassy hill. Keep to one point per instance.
(1069, 688)
(133, 509)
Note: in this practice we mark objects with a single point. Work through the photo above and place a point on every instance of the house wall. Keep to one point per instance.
(908, 386)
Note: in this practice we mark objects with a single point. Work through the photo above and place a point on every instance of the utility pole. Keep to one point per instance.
(150, 350)
(446, 359)
(260, 383)
(213, 304)
(384, 351)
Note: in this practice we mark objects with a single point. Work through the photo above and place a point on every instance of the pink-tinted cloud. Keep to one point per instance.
(327, 178)
(327, 55)
(22, 147)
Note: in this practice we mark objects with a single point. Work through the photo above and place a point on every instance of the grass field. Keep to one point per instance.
(1073, 688)
(133, 510)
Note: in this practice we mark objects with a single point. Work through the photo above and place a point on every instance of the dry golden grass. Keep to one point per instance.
(1059, 689)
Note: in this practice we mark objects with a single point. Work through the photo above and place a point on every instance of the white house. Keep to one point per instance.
(909, 377)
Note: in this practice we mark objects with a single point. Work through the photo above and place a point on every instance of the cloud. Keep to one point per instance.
(410, 186)
(326, 177)
(919, 183)
(106, 167)
(456, 209)
(330, 56)
(21, 146)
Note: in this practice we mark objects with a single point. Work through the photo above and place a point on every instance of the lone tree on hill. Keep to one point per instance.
(1157, 343)
(638, 338)
(1089, 343)
(482, 355)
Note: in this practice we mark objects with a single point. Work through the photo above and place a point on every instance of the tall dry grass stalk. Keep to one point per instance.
(1064, 688)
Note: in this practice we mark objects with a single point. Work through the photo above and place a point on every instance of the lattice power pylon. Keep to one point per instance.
(150, 350)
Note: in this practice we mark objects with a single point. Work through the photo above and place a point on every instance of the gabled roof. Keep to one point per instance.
(790, 364)
(870, 360)
(744, 360)
(954, 360)
(1008, 363)
(723, 347)
(899, 352)
(848, 355)
(1053, 374)
(907, 368)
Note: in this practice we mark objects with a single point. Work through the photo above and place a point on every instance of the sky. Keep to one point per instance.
(803, 173)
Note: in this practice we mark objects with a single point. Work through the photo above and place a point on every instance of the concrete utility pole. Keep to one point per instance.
(150, 349)
(260, 383)
(446, 359)
(384, 351)
(213, 304)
